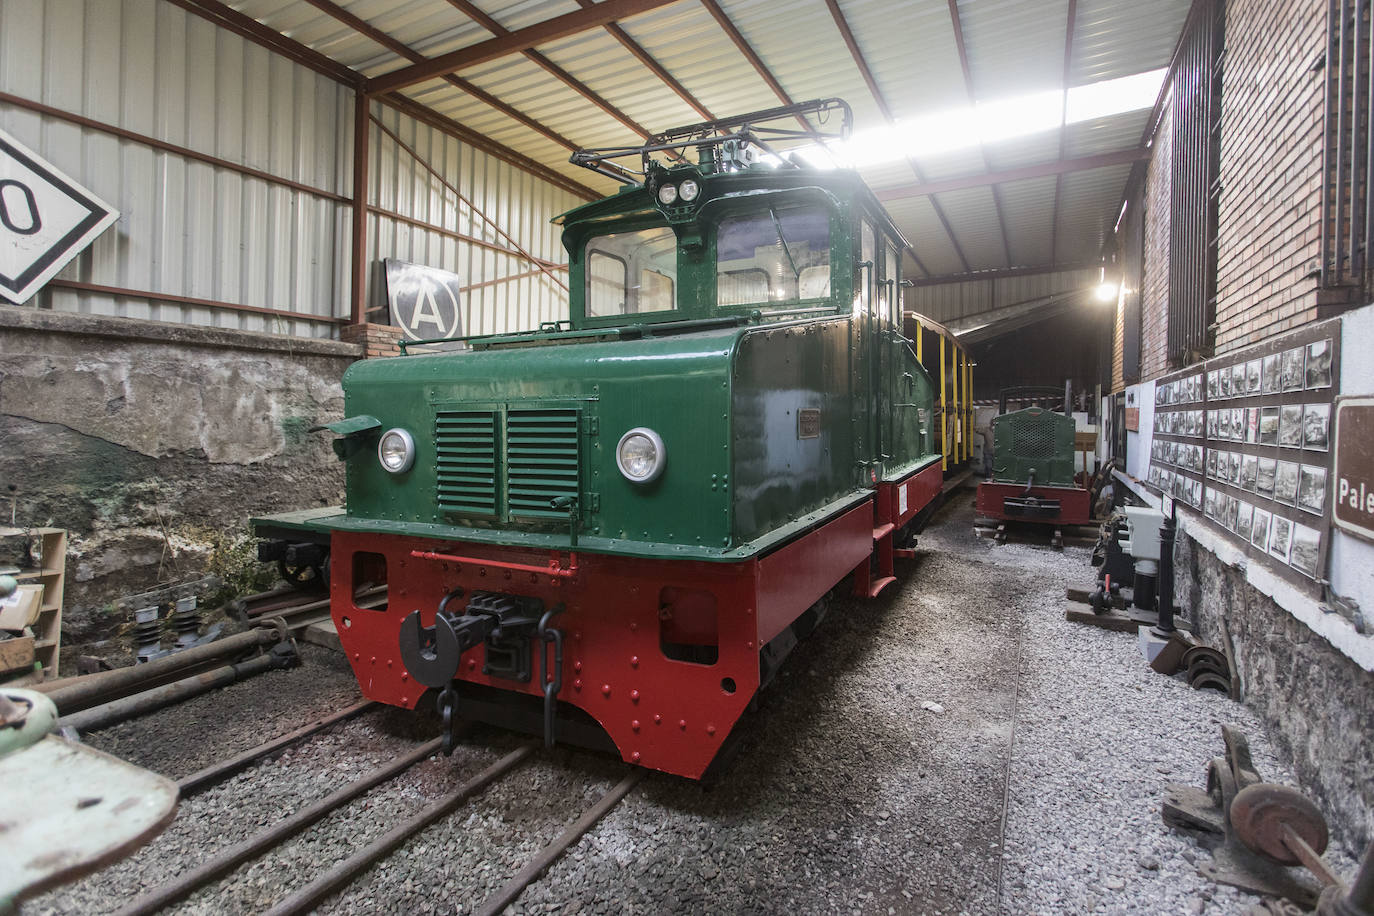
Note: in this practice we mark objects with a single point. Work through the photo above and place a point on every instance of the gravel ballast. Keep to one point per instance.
(873, 778)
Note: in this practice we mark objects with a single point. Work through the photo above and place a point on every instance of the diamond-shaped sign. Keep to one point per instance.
(45, 220)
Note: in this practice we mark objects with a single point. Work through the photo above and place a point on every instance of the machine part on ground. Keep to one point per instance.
(69, 809)
(186, 623)
(1167, 533)
(93, 689)
(147, 634)
(1254, 829)
(281, 656)
(303, 565)
(227, 860)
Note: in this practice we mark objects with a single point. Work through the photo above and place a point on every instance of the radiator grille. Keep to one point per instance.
(541, 460)
(466, 444)
(1032, 438)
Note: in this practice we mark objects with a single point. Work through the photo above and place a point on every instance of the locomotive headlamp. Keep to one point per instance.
(396, 450)
(640, 455)
(688, 190)
(667, 194)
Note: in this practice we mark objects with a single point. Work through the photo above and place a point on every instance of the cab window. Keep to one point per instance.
(773, 257)
(630, 273)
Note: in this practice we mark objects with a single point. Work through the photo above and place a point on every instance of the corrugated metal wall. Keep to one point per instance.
(947, 302)
(197, 230)
(514, 200)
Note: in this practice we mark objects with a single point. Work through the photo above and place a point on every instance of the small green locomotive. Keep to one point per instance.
(612, 530)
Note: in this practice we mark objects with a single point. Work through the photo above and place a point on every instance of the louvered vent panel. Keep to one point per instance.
(1033, 438)
(466, 444)
(541, 461)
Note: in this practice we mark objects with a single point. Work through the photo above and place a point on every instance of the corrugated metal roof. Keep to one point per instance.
(1013, 46)
(1030, 216)
(978, 230)
(1116, 38)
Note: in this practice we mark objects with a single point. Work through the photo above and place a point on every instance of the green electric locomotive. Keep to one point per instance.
(612, 530)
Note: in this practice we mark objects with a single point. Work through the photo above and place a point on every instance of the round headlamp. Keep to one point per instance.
(667, 194)
(396, 450)
(689, 190)
(640, 455)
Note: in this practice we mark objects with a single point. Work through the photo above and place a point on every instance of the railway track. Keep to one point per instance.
(289, 613)
(225, 862)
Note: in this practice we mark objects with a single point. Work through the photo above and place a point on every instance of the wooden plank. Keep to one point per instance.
(16, 653)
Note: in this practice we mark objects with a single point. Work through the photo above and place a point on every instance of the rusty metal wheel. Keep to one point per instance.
(1259, 813)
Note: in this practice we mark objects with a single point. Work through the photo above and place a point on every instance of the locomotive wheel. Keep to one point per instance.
(302, 577)
(1259, 813)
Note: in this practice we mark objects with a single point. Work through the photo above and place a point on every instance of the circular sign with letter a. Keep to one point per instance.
(424, 301)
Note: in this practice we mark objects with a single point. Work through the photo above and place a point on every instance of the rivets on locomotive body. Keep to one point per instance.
(658, 719)
(634, 725)
(634, 696)
(635, 757)
(577, 684)
(404, 677)
(710, 729)
(374, 659)
(634, 661)
(749, 644)
(605, 690)
(682, 724)
(472, 664)
(577, 666)
(634, 627)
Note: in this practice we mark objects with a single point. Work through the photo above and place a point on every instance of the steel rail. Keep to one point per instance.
(216, 773)
(340, 875)
(138, 704)
(252, 847)
(550, 853)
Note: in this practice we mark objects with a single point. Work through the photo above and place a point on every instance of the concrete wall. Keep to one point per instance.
(144, 439)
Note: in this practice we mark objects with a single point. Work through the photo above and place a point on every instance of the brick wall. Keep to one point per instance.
(1154, 288)
(1119, 346)
(1271, 137)
(375, 339)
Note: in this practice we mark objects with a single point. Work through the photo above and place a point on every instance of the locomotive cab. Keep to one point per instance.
(613, 530)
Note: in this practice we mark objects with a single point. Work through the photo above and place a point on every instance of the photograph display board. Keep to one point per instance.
(1244, 439)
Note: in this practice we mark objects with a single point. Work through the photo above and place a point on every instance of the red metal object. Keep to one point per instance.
(896, 504)
(621, 619)
(662, 713)
(554, 567)
(1074, 506)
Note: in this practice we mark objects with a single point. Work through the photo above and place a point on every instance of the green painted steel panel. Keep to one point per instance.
(1033, 439)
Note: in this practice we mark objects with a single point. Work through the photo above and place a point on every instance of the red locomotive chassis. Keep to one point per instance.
(618, 617)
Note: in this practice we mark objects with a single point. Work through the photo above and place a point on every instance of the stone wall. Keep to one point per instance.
(147, 440)
(1317, 702)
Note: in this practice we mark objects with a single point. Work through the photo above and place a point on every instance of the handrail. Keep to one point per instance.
(555, 567)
